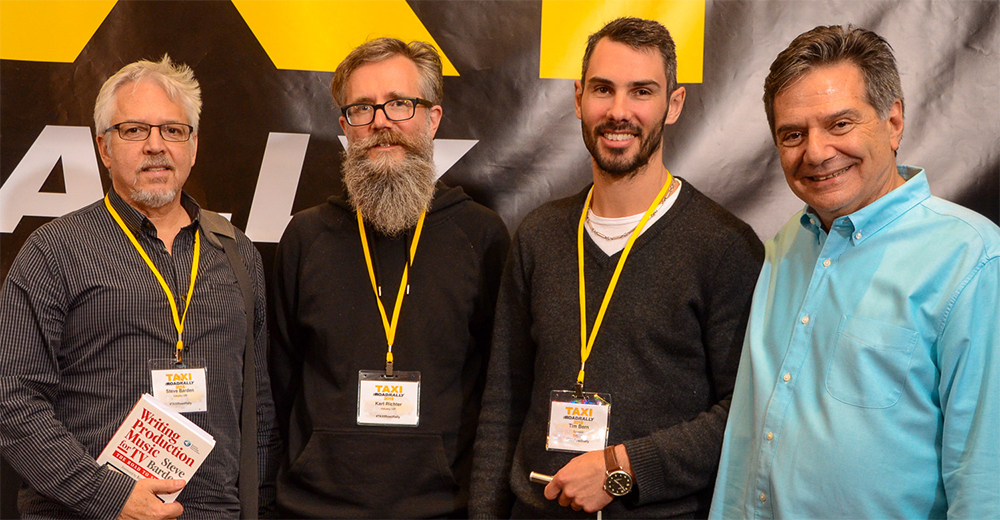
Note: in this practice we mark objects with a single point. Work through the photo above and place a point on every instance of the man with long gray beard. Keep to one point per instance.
(383, 309)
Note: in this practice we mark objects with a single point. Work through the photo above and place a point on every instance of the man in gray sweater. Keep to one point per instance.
(622, 397)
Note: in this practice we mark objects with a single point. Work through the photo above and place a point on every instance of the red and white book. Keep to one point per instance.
(157, 442)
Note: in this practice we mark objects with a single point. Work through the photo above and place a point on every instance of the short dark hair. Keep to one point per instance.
(638, 34)
(422, 54)
(830, 45)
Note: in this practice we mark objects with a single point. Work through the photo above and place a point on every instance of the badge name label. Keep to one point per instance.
(182, 389)
(386, 401)
(578, 424)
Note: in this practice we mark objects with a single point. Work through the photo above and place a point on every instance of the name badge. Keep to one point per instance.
(181, 386)
(388, 401)
(578, 424)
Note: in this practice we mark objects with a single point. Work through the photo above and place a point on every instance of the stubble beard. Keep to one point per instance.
(391, 193)
(615, 162)
(149, 198)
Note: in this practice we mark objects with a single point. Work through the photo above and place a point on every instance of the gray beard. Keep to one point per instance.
(152, 199)
(390, 193)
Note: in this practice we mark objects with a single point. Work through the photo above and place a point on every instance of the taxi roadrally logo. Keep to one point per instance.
(580, 417)
(388, 393)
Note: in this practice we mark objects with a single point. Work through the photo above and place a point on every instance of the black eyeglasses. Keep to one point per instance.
(401, 109)
(172, 132)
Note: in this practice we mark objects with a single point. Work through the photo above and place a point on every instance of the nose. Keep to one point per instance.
(619, 109)
(380, 120)
(818, 148)
(154, 144)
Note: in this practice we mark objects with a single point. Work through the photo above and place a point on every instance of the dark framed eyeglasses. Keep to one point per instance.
(400, 109)
(172, 132)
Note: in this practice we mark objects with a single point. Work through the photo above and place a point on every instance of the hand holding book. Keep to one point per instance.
(144, 503)
(153, 443)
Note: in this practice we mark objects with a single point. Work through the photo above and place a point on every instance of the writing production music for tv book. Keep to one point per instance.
(157, 442)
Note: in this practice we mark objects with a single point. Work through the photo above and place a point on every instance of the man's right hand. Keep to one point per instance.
(144, 504)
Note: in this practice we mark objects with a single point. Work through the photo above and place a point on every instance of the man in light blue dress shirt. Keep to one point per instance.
(869, 384)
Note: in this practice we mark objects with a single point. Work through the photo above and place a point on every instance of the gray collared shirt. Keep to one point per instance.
(81, 315)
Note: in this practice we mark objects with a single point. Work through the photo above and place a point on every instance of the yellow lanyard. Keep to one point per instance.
(178, 319)
(586, 345)
(390, 329)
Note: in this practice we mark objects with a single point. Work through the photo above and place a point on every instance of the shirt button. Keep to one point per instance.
(770, 436)
(787, 377)
(826, 263)
(763, 497)
(857, 236)
(805, 319)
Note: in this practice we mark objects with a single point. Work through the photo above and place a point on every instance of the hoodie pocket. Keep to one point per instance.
(373, 469)
(870, 363)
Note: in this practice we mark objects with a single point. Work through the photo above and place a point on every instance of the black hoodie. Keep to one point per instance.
(326, 327)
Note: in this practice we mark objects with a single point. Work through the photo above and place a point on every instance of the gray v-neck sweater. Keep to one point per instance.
(667, 353)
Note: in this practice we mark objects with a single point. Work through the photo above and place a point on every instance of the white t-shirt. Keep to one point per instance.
(613, 227)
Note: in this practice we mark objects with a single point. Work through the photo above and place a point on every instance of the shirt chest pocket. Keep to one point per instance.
(870, 362)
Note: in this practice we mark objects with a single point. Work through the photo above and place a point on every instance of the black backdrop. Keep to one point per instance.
(525, 141)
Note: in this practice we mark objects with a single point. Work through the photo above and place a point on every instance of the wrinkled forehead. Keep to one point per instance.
(378, 81)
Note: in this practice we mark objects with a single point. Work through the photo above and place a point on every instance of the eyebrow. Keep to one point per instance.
(631, 84)
(847, 112)
(392, 95)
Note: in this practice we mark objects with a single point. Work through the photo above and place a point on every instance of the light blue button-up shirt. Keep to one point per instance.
(869, 385)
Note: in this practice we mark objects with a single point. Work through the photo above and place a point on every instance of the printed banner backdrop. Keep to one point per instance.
(269, 143)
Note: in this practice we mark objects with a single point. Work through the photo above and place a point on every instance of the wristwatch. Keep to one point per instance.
(617, 481)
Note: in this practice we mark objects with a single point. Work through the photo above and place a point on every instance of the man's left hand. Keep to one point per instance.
(580, 483)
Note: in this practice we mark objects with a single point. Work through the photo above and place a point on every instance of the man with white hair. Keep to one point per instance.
(96, 300)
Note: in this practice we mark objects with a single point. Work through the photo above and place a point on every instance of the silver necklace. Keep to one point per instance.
(670, 191)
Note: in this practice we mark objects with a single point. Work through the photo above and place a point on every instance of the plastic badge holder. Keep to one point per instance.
(577, 423)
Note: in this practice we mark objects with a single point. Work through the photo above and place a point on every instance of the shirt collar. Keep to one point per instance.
(137, 222)
(870, 219)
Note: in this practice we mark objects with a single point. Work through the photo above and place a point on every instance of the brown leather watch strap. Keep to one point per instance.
(611, 460)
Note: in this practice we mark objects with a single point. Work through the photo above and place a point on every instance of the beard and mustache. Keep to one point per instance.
(149, 198)
(616, 163)
(391, 193)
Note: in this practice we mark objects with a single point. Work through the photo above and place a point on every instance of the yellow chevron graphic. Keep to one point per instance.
(53, 31)
(310, 35)
(566, 24)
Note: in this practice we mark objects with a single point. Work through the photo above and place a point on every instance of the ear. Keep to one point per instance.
(675, 105)
(578, 98)
(343, 124)
(895, 122)
(194, 148)
(435, 113)
(102, 148)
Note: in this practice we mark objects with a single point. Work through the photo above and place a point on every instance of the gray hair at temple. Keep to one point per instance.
(830, 45)
(422, 54)
(639, 34)
(176, 79)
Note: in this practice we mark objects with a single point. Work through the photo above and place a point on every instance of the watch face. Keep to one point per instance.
(618, 483)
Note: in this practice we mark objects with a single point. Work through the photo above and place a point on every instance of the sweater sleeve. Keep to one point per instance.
(285, 360)
(507, 394)
(34, 303)
(682, 460)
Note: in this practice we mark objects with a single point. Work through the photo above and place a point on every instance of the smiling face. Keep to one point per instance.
(147, 174)
(378, 82)
(623, 105)
(838, 156)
